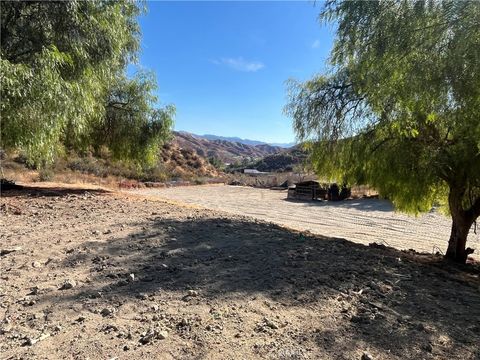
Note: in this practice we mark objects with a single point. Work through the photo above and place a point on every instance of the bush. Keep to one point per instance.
(45, 174)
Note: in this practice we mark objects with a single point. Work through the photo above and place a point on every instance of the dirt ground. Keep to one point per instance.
(90, 274)
(360, 220)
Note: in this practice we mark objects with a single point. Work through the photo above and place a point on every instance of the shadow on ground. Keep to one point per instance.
(357, 204)
(42, 191)
(397, 301)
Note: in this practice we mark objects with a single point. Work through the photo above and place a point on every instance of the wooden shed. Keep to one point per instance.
(307, 190)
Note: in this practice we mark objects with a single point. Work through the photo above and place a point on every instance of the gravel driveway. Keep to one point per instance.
(361, 220)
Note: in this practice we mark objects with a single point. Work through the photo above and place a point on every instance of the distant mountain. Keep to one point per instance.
(227, 151)
(244, 141)
(232, 139)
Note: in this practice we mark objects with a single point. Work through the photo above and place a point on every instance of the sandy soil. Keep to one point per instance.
(103, 275)
(363, 220)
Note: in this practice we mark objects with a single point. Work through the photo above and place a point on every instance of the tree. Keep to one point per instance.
(133, 128)
(400, 108)
(60, 63)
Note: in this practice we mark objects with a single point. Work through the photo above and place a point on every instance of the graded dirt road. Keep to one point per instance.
(89, 274)
(363, 220)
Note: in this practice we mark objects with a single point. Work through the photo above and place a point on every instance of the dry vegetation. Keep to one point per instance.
(175, 164)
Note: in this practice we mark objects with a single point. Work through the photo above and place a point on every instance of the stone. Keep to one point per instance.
(192, 293)
(428, 347)
(68, 284)
(32, 341)
(270, 324)
(162, 335)
(147, 336)
(107, 311)
(366, 356)
(131, 277)
(36, 264)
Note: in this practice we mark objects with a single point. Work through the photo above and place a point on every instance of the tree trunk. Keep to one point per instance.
(462, 220)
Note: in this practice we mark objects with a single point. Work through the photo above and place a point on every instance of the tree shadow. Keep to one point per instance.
(48, 191)
(357, 204)
(395, 300)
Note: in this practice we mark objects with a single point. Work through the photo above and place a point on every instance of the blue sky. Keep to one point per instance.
(224, 64)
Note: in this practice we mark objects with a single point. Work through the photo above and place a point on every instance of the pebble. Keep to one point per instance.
(147, 337)
(184, 322)
(31, 341)
(36, 264)
(271, 324)
(68, 284)
(163, 335)
(107, 311)
(192, 293)
(428, 347)
(367, 356)
(131, 277)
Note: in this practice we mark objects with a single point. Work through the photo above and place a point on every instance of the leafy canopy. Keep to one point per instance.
(60, 63)
(400, 109)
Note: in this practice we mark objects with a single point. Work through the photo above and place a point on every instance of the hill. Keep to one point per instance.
(225, 151)
(245, 141)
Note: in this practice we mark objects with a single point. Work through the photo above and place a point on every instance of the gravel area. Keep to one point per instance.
(361, 220)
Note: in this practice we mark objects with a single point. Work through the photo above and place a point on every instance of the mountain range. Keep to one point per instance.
(240, 140)
(227, 151)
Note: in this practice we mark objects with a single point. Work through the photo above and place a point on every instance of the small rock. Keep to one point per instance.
(428, 347)
(183, 322)
(367, 356)
(36, 264)
(68, 284)
(96, 232)
(270, 324)
(147, 337)
(31, 341)
(131, 277)
(163, 335)
(57, 328)
(192, 293)
(107, 311)
(126, 348)
(34, 290)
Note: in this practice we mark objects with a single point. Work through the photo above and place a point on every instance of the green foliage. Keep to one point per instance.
(401, 107)
(133, 128)
(61, 64)
(216, 162)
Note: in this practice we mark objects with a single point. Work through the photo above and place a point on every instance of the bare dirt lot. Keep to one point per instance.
(89, 274)
(361, 220)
